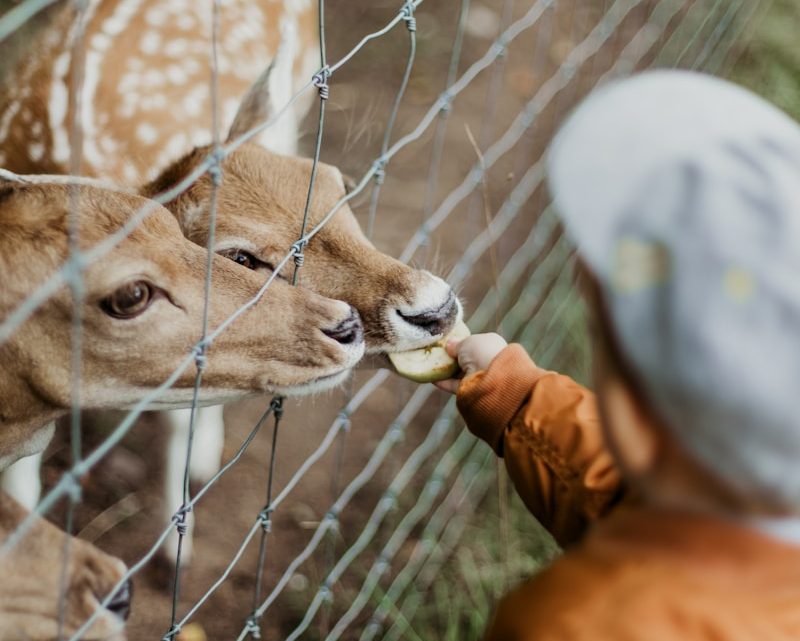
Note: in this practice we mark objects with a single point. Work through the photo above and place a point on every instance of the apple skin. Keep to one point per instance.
(432, 363)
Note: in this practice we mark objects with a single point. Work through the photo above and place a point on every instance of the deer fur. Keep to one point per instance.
(280, 344)
(29, 596)
(287, 342)
(146, 123)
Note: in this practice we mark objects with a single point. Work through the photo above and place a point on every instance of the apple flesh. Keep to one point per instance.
(432, 363)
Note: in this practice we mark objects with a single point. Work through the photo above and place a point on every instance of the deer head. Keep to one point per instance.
(141, 315)
(263, 193)
(260, 209)
(31, 587)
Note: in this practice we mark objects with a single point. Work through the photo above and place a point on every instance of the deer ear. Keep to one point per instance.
(350, 183)
(256, 106)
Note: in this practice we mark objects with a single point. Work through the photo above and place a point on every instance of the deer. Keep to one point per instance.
(31, 586)
(147, 111)
(142, 313)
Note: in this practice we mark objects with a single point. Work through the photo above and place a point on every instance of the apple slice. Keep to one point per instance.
(432, 363)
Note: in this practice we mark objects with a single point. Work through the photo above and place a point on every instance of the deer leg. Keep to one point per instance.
(22, 480)
(177, 422)
(209, 437)
(209, 440)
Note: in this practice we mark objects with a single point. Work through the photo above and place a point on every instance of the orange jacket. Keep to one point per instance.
(639, 573)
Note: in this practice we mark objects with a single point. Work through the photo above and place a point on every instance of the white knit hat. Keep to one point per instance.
(682, 193)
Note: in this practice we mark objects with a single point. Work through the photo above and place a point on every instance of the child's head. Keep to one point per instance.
(682, 193)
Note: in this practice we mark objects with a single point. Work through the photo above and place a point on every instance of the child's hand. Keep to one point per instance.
(473, 354)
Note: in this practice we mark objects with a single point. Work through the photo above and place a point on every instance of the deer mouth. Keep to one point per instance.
(436, 322)
(319, 384)
(415, 327)
(120, 603)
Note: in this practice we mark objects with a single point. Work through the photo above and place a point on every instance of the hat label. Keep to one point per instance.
(638, 265)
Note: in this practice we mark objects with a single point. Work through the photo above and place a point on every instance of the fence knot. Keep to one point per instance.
(200, 358)
(215, 169)
(320, 81)
(379, 170)
(326, 591)
(297, 250)
(344, 421)
(179, 519)
(372, 630)
(389, 500)
(171, 633)
(396, 433)
(332, 517)
(73, 487)
(276, 405)
(501, 47)
(265, 518)
(252, 627)
(382, 564)
(446, 100)
(408, 15)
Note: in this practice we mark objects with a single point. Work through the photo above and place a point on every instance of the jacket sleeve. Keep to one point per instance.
(547, 428)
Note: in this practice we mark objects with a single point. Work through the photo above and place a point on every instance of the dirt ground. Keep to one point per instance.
(123, 497)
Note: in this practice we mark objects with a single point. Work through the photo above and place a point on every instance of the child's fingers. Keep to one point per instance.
(452, 347)
(449, 385)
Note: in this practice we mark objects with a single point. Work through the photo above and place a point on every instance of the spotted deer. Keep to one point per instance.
(146, 116)
(141, 313)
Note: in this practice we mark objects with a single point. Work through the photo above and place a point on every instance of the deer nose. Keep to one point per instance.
(349, 331)
(434, 321)
(120, 604)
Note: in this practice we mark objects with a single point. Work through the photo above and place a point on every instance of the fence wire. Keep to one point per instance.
(393, 555)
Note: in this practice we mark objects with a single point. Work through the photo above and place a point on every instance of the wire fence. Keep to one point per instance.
(516, 265)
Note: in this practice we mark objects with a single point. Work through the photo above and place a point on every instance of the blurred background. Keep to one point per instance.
(449, 535)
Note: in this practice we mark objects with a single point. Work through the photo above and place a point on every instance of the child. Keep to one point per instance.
(682, 194)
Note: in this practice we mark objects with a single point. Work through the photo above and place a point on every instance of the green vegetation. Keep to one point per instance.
(770, 63)
(495, 554)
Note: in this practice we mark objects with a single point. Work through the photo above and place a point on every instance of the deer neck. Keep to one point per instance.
(26, 419)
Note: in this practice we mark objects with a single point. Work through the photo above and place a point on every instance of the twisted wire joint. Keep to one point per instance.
(200, 358)
(265, 518)
(380, 171)
(179, 519)
(344, 421)
(320, 81)
(297, 250)
(253, 628)
(408, 15)
(326, 591)
(447, 102)
(74, 489)
(215, 169)
(276, 404)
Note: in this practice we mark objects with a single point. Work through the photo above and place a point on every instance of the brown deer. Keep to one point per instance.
(141, 315)
(31, 585)
(146, 117)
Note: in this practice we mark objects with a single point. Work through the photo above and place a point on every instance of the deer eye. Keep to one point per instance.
(130, 300)
(243, 258)
(246, 259)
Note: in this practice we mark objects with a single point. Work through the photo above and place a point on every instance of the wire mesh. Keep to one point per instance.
(392, 551)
